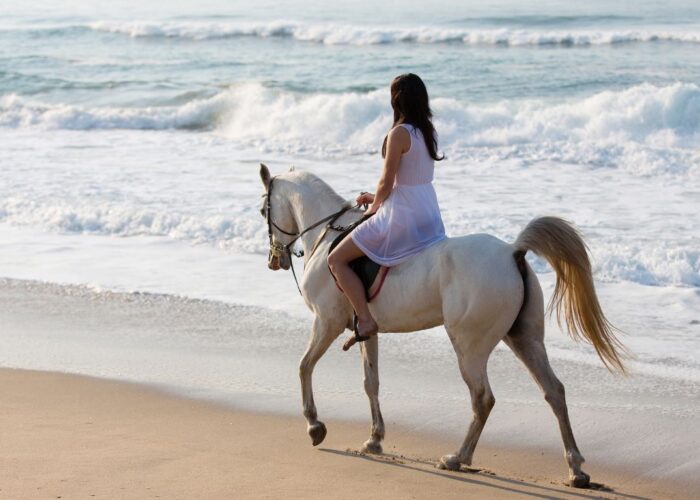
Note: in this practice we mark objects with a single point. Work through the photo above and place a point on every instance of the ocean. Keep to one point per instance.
(131, 134)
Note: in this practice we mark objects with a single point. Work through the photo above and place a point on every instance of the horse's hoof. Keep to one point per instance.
(372, 447)
(449, 462)
(581, 480)
(317, 432)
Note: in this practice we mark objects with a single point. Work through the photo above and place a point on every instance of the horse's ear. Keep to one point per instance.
(291, 169)
(265, 175)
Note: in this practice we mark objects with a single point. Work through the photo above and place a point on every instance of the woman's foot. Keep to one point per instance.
(365, 328)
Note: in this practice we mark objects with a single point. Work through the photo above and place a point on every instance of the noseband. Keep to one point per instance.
(278, 249)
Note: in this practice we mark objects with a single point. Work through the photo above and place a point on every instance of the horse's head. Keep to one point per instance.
(281, 226)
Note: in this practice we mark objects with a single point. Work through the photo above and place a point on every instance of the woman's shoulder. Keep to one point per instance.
(401, 127)
(402, 131)
(407, 127)
(400, 137)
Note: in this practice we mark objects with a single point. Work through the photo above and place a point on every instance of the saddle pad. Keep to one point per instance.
(366, 269)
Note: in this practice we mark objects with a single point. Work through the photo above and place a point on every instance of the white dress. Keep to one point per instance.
(409, 220)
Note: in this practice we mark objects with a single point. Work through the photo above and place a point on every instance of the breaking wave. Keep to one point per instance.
(17, 112)
(646, 129)
(347, 34)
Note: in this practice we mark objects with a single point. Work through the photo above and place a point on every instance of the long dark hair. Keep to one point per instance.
(409, 99)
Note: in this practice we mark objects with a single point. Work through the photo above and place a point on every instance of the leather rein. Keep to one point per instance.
(278, 249)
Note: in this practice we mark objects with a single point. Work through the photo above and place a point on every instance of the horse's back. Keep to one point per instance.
(480, 257)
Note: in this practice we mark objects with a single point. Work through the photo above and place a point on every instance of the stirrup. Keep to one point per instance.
(357, 337)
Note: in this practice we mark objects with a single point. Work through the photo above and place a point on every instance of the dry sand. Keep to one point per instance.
(67, 436)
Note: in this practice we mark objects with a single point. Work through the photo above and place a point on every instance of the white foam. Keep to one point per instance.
(644, 129)
(640, 131)
(241, 231)
(650, 264)
(349, 34)
(627, 251)
(17, 112)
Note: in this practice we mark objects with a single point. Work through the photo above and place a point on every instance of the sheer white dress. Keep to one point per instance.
(409, 220)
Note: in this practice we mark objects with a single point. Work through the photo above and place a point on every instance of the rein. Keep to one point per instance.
(277, 249)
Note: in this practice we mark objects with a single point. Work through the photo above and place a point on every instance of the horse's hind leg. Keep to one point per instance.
(322, 336)
(370, 355)
(529, 348)
(472, 365)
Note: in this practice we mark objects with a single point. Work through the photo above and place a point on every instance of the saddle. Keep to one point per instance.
(367, 270)
(371, 275)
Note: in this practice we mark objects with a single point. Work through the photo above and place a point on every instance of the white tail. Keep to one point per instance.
(574, 294)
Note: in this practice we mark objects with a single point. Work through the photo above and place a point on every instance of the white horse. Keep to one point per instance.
(479, 287)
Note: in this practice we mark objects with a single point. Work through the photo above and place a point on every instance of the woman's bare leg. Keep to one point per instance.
(339, 262)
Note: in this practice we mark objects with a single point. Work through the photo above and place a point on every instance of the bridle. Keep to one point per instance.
(278, 249)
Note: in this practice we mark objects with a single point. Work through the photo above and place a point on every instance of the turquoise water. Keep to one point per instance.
(138, 53)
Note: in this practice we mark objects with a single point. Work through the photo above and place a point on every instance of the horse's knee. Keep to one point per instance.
(487, 404)
(483, 403)
(556, 394)
(489, 401)
(305, 367)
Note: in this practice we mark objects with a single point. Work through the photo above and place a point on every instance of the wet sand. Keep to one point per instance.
(67, 436)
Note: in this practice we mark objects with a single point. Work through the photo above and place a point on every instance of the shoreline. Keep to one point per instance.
(75, 429)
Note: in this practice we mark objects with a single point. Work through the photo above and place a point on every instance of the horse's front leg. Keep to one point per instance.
(322, 335)
(370, 355)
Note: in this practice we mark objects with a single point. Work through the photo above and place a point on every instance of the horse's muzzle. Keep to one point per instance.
(276, 262)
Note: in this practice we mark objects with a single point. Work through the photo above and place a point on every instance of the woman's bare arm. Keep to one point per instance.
(398, 142)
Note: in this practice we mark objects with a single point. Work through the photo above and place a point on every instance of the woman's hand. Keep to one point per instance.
(365, 199)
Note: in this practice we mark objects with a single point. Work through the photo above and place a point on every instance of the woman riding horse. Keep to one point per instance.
(479, 287)
(405, 212)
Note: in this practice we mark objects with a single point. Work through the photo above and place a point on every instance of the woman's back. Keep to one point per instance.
(409, 219)
(416, 165)
(405, 212)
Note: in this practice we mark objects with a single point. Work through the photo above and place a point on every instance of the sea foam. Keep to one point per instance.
(17, 112)
(645, 263)
(349, 34)
(644, 129)
(241, 231)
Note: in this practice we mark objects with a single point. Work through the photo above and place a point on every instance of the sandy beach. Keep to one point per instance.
(199, 398)
(67, 436)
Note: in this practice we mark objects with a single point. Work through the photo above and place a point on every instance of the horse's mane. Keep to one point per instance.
(312, 184)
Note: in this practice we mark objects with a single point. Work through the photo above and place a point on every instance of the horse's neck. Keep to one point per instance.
(308, 208)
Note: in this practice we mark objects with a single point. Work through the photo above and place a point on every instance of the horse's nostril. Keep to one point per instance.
(273, 263)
